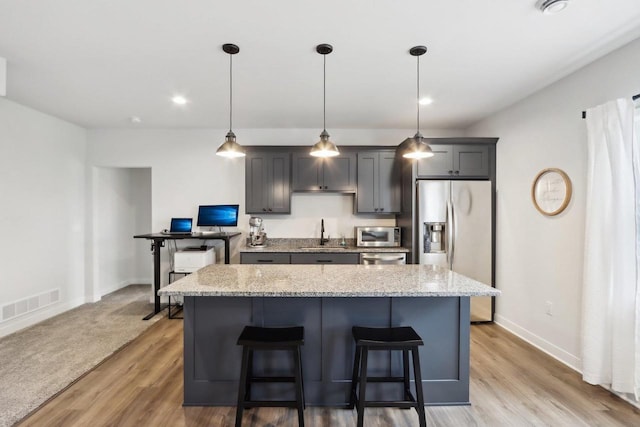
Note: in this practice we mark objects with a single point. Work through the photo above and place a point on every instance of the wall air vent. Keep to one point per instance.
(29, 304)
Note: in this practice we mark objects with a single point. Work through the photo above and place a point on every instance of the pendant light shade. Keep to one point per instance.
(416, 147)
(324, 147)
(230, 148)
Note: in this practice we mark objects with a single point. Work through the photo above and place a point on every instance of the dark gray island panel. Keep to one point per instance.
(212, 358)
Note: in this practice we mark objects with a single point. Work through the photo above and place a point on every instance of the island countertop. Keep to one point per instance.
(257, 280)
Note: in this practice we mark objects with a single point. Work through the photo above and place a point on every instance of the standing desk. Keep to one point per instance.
(158, 240)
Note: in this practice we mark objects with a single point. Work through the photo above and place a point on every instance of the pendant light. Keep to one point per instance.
(416, 147)
(230, 148)
(324, 147)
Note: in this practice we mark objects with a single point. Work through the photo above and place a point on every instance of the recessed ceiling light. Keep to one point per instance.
(550, 7)
(135, 119)
(425, 101)
(179, 100)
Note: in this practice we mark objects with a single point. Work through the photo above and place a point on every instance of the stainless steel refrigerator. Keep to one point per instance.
(454, 221)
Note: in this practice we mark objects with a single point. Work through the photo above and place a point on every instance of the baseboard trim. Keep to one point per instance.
(540, 343)
(554, 351)
(118, 286)
(31, 319)
(623, 396)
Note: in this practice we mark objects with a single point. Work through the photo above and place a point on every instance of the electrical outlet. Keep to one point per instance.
(549, 308)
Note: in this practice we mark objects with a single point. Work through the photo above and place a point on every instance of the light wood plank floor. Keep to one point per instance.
(512, 384)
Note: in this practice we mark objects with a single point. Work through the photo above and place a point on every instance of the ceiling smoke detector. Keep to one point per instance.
(551, 7)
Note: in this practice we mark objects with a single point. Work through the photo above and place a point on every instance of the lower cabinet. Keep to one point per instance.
(322, 258)
(266, 258)
(299, 258)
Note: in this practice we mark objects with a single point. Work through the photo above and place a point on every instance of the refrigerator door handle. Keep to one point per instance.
(451, 235)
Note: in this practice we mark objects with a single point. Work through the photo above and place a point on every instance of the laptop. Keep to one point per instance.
(180, 226)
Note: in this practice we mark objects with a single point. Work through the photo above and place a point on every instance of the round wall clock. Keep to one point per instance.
(551, 191)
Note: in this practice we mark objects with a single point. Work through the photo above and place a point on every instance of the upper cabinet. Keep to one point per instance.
(337, 174)
(268, 182)
(378, 183)
(456, 160)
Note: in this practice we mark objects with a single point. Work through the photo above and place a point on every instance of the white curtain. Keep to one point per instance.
(610, 316)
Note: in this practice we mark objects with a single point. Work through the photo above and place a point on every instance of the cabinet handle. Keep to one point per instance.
(457, 172)
(264, 209)
(381, 209)
(375, 209)
(450, 172)
(325, 187)
(321, 187)
(270, 210)
(265, 260)
(323, 260)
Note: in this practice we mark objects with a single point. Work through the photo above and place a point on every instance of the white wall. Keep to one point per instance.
(122, 204)
(42, 191)
(540, 258)
(187, 173)
(141, 201)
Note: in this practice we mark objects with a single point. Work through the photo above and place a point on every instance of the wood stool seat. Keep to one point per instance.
(403, 338)
(257, 338)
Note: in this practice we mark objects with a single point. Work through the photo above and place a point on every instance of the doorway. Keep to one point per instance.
(120, 208)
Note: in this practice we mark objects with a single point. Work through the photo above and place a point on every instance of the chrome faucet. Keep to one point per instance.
(322, 239)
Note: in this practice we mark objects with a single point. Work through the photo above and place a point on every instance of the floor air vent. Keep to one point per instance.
(29, 304)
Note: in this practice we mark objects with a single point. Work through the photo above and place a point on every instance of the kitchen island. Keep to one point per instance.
(219, 300)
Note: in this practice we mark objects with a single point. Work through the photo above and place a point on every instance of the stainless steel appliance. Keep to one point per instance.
(257, 236)
(454, 220)
(378, 236)
(374, 258)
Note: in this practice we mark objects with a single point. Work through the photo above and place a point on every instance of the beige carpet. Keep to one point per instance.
(39, 361)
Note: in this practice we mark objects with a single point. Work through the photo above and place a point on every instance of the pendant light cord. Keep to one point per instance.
(230, 92)
(324, 93)
(418, 97)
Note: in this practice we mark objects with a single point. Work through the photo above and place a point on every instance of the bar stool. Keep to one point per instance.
(402, 338)
(256, 338)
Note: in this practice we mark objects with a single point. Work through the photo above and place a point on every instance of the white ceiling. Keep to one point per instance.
(96, 63)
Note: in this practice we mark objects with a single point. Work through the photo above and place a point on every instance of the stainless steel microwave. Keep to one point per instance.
(378, 236)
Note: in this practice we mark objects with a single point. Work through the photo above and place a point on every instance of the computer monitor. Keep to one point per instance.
(218, 216)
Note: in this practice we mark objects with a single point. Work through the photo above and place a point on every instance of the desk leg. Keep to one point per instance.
(227, 257)
(157, 244)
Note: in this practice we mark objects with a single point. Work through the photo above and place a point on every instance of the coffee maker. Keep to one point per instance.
(257, 236)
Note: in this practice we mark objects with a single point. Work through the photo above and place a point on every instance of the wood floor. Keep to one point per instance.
(512, 384)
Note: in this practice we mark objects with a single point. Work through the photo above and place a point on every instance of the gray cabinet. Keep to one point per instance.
(378, 183)
(268, 182)
(265, 258)
(325, 258)
(337, 174)
(456, 160)
(299, 258)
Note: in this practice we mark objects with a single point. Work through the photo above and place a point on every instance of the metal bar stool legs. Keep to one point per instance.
(404, 339)
(254, 338)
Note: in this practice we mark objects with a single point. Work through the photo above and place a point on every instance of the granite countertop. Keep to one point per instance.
(313, 246)
(258, 280)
